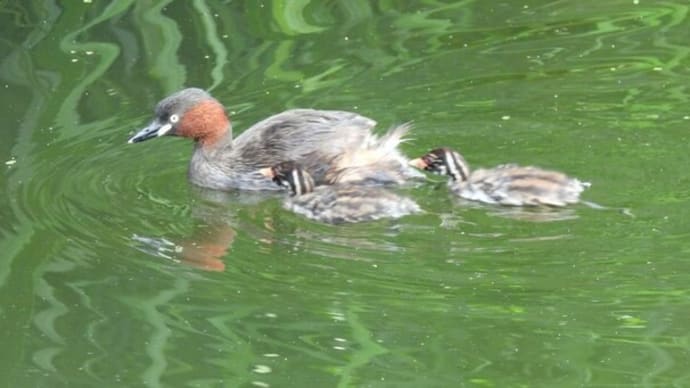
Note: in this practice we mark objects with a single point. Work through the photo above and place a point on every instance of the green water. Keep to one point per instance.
(464, 295)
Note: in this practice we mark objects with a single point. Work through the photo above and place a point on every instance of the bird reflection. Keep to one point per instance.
(214, 214)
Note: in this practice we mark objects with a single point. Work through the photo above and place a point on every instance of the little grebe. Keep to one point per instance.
(507, 184)
(321, 140)
(338, 203)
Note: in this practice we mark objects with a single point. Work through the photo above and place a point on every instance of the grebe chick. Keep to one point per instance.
(507, 184)
(338, 203)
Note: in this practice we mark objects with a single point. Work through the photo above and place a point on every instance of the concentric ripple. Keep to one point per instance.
(115, 270)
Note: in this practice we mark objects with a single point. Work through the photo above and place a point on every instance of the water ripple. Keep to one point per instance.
(103, 241)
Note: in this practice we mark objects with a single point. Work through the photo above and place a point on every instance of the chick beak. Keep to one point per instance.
(155, 129)
(419, 163)
(267, 172)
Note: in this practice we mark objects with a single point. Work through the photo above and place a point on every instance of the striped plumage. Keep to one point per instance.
(507, 184)
(338, 203)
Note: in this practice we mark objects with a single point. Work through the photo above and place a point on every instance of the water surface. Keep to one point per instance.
(114, 271)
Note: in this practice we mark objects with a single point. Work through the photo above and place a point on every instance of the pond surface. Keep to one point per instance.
(114, 271)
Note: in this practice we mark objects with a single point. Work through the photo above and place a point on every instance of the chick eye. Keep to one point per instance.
(432, 161)
(174, 118)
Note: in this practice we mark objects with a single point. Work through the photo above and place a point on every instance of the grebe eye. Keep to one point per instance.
(432, 161)
(174, 118)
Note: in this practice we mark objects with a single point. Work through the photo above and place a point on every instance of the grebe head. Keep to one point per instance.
(191, 113)
(443, 161)
(290, 175)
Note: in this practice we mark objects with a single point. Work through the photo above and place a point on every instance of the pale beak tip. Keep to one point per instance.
(267, 172)
(419, 163)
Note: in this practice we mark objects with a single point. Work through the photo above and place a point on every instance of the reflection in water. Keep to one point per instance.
(535, 214)
(204, 249)
(215, 219)
(594, 299)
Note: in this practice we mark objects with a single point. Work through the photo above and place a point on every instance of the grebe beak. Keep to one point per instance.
(419, 163)
(155, 129)
(267, 172)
